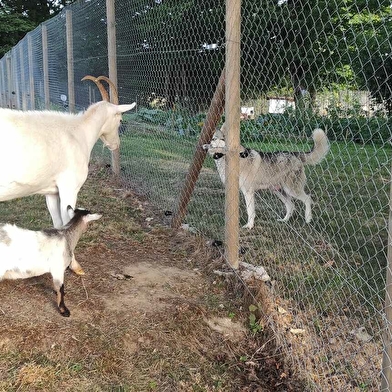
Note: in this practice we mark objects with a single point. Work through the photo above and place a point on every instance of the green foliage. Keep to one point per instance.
(13, 26)
(152, 116)
(180, 121)
(18, 17)
(338, 125)
(254, 322)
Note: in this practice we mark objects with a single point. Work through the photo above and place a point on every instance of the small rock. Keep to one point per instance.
(362, 335)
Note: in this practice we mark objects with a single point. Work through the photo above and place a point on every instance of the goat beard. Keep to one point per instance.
(111, 147)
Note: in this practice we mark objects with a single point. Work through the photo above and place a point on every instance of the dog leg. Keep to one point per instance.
(308, 208)
(306, 199)
(286, 199)
(250, 208)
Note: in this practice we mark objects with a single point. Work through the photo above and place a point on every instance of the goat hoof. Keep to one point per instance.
(78, 271)
(65, 312)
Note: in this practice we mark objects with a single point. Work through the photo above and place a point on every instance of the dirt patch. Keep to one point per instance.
(147, 316)
(150, 287)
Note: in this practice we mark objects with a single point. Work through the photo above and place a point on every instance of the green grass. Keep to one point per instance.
(350, 192)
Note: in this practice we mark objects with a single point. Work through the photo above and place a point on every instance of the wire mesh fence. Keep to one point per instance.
(303, 66)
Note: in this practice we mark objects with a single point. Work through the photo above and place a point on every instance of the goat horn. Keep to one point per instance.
(104, 93)
(114, 89)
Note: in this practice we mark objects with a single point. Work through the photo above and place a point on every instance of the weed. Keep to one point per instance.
(254, 323)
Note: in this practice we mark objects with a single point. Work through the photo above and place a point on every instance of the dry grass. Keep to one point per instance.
(155, 331)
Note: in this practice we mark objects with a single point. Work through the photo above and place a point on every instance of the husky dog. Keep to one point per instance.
(282, 172)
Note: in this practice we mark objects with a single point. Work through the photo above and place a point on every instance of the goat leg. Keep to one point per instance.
(75, 266)
(59, 287)
(60, 300)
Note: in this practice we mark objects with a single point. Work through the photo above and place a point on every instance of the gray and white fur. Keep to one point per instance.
(281, 172)
(27, 253)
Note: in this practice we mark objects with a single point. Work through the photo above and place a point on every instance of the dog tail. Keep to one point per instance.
(320, 148)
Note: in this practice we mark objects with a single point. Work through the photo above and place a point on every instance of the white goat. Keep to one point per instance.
(47, 152)
(26, 253)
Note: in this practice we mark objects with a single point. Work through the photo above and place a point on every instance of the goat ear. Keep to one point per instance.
(93, 217)
(125, 108)
(71, 212)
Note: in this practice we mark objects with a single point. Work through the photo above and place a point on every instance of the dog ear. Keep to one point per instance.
(218, 135)
(223, 130)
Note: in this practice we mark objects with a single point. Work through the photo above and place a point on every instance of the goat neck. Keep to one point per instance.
(74, 230)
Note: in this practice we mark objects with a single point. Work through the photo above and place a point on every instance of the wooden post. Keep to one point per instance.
(70, 61)
(232, 136)
(31, 72)
(386, 373)
(112, 59)
(214, 114)
(15, 79)
(2, 87)
(45, 65)
(10, 81)
(23, 86)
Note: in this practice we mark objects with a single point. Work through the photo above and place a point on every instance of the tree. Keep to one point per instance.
(36, 11)
(318, 44)
(18, 17)
(13, 26)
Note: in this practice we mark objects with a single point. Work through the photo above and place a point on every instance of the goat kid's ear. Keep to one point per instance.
(126, 108)
(71, 212)
(92, 217)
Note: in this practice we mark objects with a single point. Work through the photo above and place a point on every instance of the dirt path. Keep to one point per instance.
(145, 317)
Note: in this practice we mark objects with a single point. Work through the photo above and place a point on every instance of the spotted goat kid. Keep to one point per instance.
(27, 253)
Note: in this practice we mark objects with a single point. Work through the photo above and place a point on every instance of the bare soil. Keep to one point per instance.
(148, 315)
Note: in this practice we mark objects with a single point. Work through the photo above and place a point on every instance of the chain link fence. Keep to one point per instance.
(303, 66)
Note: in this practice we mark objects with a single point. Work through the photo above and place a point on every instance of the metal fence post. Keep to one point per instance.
(45, 65)
(112, 60)
(386, 374)
(70, 61)
(232, 108)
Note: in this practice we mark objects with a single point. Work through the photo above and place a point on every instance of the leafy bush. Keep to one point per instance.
(179, 121)
(151, 116)
(275, 127)
(290, 124)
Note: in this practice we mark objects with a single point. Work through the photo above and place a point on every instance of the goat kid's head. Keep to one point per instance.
(80, 213)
